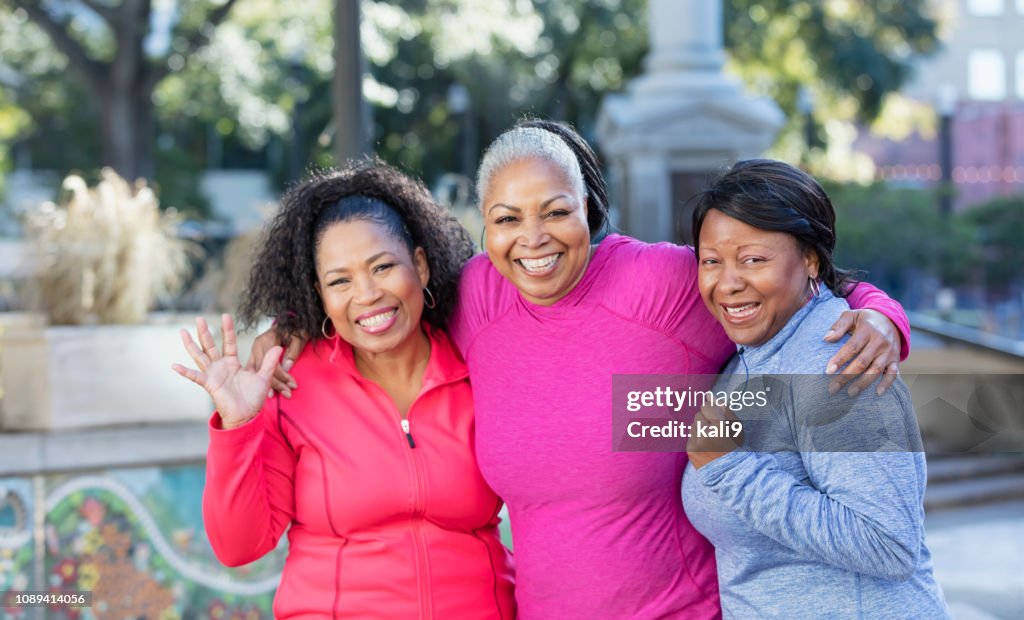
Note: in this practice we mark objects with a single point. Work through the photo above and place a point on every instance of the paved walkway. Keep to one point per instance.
(979, 559)
(978, 554)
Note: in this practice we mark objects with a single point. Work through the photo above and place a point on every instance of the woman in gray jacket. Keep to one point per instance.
(820, 512)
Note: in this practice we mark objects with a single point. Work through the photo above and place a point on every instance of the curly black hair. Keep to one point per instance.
(281, 283)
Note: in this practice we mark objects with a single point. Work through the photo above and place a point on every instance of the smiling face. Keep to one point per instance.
(751, 280)
(371, 287)
(536, 225)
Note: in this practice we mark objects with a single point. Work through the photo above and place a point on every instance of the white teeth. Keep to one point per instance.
(742, 311)
(377, 320)
(534, 265)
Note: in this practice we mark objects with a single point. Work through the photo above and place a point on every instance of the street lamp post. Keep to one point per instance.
(297, 153)
(459, 103)
(805, 105)
(351, 115)
(945, 105)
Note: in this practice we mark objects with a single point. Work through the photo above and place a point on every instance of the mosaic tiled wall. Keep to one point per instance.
(134, 538)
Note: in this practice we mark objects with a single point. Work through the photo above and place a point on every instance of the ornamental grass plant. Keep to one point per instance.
(105, 254)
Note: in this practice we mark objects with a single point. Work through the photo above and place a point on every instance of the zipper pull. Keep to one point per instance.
(408, 435)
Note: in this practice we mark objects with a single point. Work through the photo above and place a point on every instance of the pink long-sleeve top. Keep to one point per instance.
(597, 534)
(378, 526)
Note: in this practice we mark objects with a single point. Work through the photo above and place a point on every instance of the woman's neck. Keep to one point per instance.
(404, 363)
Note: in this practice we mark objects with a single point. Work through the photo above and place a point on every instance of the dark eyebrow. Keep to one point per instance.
(374, 258)
(369, 261)
(547, 203)
(498, 204)
(544, 205)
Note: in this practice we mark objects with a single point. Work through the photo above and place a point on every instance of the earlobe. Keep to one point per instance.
(422, 266)
(812, 264)
(320, 294)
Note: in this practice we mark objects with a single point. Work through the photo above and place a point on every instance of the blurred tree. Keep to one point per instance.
(559, 58)
(259, 95)
(848, 55)
(257, 89)
(552, 58)
(1000, 228)
(120, 52)
(12, 120)
(872, 235)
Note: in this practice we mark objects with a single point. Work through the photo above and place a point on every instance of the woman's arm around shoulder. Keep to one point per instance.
(879, 339)
(655, 285)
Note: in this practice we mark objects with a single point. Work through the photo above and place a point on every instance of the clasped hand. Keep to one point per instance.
(702, 448)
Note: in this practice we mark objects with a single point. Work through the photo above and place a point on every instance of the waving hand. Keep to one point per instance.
(237, 392)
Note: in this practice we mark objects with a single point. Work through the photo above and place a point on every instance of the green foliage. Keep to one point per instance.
(270, 65)
(853, 48)
(177, 182)
(847, 56)
(896, 234)
(1000, 229)
(12, 120)
(557, 59)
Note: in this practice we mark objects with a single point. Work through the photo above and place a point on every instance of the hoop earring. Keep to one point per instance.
(815, 287)
(428, 298)
(323, 328)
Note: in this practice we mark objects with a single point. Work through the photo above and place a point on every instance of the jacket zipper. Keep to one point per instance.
(426, 602)
(408, 434)
(423, 563)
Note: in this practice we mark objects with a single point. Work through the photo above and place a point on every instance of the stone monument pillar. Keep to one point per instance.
(680, 122)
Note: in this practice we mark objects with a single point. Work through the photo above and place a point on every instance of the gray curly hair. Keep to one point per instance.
(523, 142)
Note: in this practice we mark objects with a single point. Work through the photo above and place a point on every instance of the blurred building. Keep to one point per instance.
(977, 83)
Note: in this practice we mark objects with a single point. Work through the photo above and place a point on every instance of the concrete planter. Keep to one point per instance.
(64, 378)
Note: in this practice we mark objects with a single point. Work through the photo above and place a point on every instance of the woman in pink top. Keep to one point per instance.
(370, 468)
(544, 320)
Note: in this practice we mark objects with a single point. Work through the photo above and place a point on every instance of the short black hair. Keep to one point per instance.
(283, 277)
(773, 195)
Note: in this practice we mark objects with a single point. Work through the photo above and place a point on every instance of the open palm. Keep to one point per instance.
(238, 393)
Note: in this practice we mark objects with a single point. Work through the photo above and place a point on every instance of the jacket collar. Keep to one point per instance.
(444, 366)
(754, 356)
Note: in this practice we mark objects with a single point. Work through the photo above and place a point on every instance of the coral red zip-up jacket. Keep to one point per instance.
(381, 525)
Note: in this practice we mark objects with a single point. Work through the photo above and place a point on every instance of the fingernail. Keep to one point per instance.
(854, 391)
(833, 388)
(270, 393)
(830, 333)
(879, 390)
(292, 384)
(287, 365)
(286, 393)
(830, 369)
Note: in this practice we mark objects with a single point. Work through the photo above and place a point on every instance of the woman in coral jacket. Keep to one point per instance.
(370, 468)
